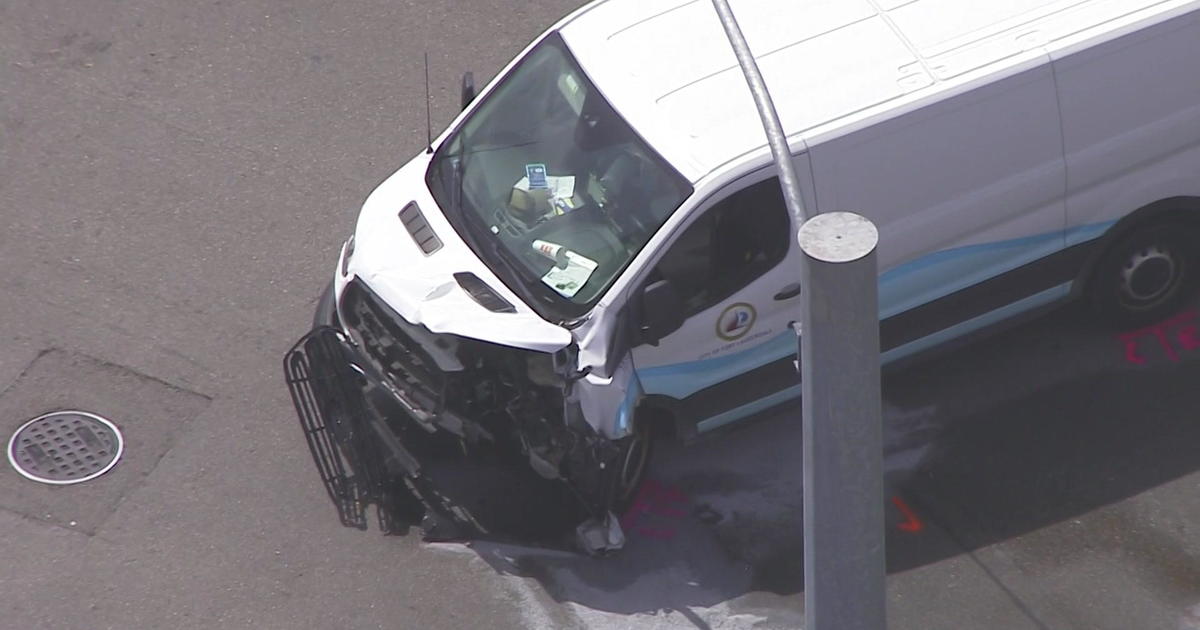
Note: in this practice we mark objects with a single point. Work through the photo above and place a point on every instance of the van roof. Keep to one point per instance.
(666, 65)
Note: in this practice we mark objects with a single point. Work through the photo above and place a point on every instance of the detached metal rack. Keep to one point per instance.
(318, 383)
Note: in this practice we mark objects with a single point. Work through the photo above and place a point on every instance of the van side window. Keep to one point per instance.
(735, 242)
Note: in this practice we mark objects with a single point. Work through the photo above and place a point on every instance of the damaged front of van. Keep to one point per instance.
(470, 326)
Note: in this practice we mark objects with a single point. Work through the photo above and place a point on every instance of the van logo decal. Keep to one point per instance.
(735, 321)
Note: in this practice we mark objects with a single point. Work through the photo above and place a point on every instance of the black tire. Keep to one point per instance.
(1146, 275)
(326, 311)
(631, 465)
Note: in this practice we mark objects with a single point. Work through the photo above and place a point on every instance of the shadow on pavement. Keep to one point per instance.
(1061, 452)
(1022, 430)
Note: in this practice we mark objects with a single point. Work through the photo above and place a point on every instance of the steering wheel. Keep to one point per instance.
(620, 183)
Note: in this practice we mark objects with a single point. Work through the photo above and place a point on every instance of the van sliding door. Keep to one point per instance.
(967, 193)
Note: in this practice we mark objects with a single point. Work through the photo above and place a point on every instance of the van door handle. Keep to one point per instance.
(790, 291)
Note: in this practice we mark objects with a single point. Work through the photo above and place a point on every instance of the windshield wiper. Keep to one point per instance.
(457, 170)
(502, 147)
(479, 240)
(476, 235)
(492, 244)
(451, 172)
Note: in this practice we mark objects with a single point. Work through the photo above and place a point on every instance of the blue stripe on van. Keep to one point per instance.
(749, 409)
(928, 278)
(624, 419)
(1085, 233)
(983, 321)
(976, 323)
(905, 287)
(679, 380)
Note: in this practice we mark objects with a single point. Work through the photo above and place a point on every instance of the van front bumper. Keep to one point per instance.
(369, 447)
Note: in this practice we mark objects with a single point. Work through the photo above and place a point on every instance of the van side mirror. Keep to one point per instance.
(661, 311)
(468, 90)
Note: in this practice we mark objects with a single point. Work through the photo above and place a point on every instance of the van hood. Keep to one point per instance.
(421, 287)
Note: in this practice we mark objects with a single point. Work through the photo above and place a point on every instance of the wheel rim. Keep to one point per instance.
(1148, 275)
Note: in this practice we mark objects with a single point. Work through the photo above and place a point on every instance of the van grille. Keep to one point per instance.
(386, 339)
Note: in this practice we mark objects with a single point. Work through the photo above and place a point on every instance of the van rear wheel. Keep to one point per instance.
(1146, 275)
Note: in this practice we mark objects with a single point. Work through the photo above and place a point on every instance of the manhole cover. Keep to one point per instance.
(65, 447)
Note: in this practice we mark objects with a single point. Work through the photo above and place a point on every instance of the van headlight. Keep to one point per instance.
(347, 253)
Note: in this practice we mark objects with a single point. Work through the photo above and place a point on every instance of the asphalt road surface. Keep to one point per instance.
(175, 179)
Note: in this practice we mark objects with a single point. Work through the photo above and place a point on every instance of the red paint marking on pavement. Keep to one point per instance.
(1131, 354)
(639, 506)
(653, 502)
(657, 534)
(1185, 336)
(913, 524)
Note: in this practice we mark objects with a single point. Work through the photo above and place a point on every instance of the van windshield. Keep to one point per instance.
(550, 186)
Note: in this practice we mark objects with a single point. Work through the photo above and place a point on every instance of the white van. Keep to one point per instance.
(597, 246)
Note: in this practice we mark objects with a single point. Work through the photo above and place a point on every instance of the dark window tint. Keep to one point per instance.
(736, 241)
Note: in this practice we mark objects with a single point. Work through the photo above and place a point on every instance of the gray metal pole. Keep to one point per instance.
(843, 435)
(844, 569)
(776, 138)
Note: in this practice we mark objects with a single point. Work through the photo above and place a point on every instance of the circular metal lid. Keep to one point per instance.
(65, 447)
(838, 237)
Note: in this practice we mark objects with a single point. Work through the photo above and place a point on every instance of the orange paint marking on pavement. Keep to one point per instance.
(912, 524)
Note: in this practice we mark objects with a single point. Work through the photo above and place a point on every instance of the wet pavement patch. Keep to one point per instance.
(152, 414)
(65, 447)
